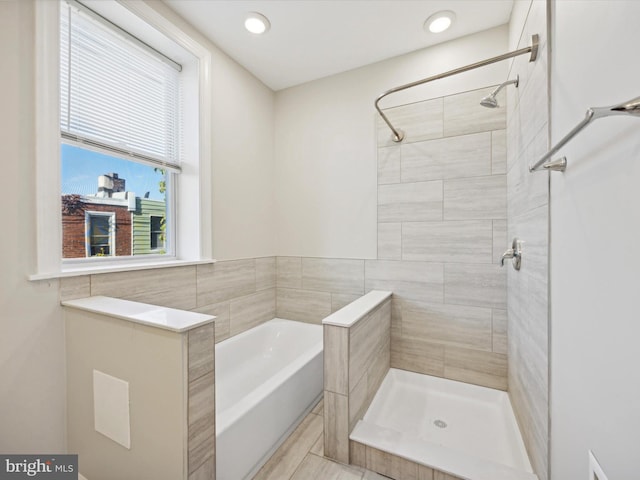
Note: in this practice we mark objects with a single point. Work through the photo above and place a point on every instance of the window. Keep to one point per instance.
(157, 227)
(122, 99)
(131, 190)
(101, 232)
(92, 148)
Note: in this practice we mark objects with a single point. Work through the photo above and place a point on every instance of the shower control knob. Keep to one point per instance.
(514, 253)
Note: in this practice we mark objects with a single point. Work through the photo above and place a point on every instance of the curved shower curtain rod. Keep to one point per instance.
(398, 135)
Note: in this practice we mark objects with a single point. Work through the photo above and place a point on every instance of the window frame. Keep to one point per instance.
(192, 198)
(159, 234)
(88, 217)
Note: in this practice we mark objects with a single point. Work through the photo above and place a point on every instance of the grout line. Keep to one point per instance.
(295, 470)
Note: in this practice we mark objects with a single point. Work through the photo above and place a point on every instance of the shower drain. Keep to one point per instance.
(440, 423)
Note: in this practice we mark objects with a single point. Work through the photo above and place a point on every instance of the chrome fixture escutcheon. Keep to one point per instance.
(514, 253)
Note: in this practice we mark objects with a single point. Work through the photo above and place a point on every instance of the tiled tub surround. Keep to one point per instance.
(424, 427)
(239, 293)
(309, 289)
(356, 359)
(267, 379)
(167, 358)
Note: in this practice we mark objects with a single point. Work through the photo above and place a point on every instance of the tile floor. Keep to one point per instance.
(301, 456)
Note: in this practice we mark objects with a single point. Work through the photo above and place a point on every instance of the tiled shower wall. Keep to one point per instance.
(528, 219)
(442, 222)
(240, 293)
(441, 230)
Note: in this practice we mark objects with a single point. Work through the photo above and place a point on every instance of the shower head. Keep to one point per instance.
(490, 101)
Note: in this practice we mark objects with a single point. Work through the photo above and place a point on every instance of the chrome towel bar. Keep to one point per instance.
(398, 135)
(632, 107)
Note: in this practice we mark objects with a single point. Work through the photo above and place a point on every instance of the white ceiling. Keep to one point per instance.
(310, 39)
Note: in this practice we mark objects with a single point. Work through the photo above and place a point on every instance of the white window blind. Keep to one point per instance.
(114, 94)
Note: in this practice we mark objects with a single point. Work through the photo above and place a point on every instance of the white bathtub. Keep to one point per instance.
(267, 379)
(461, 429)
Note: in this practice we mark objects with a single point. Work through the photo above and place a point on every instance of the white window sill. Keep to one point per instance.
(78, 270)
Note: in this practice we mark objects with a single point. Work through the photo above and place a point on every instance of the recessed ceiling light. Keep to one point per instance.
(440, 21)
(257, 23)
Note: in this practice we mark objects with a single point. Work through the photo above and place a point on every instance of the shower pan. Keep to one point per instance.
(456, 428)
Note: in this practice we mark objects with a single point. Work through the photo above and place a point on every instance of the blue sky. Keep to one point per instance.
(81, 169)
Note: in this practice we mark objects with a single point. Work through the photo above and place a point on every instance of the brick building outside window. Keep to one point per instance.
(112, 222)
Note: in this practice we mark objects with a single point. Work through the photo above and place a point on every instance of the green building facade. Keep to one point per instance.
(148, 227)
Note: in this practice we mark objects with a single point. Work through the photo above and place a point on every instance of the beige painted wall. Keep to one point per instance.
(153, 362)
(32, 398)
(32, 401)
(242, 147)
(325, 143)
